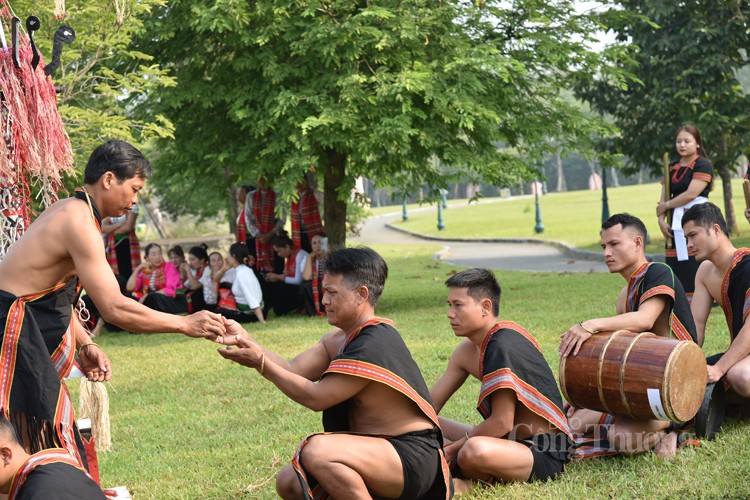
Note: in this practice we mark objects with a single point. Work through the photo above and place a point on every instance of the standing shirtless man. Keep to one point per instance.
(40, 280)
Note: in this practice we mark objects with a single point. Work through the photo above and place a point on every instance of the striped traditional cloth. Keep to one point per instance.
(152, 280)
(44, 457)
(290, 267)
(135, 251)
(264, 207)
(317, 280)
(305, 214)
(241, 227)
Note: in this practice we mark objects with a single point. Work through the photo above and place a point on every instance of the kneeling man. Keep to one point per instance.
(524, 435)
(384, 437)
(723, 276)
(653, 301)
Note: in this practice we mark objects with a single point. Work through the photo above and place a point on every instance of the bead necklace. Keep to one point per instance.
(675, 178)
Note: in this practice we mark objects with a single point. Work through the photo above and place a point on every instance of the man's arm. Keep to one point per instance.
(700, 306)
(738, 351)
(310, 363)
(453, 377)
(84, 244)
(317, 396)
(109, 227)
(499, 423)
(638, 321)
(501, 420)
(94, 363)
(129, 224)
(299, 266)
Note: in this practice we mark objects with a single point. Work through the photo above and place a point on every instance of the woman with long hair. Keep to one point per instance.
(690, 180)
(198, 275)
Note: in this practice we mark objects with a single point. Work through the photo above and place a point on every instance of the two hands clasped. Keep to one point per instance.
(211, 326)
(228, 332)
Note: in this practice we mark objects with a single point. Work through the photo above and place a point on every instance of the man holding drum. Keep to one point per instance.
(652, 301)
(524, 435)
(723, 276)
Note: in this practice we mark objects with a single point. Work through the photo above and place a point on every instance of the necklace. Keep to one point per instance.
(677, 178)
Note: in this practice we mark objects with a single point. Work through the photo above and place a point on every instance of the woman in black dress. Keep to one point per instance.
(690, 181)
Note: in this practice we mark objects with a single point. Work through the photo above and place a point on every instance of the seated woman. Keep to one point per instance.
(283, 290)
(177, 257)
(311, 291)
(245, 287)
(154, 283)
(211, 285)
(198, 275)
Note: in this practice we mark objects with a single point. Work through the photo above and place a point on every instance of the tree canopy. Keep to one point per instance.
(101, 74)
(362, 88)
(686, 56)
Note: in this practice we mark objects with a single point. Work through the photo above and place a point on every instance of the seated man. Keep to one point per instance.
(524, 435)
(723, 276)
(51, 473)
(385, 439)
(653, 301)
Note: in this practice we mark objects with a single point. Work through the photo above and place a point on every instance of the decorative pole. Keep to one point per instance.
(444, 197)
(539, 228)
(605, 202)
(404, 215)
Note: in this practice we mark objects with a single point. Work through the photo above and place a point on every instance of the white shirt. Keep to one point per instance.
(246, 288)
(299, 266)
(207, 284)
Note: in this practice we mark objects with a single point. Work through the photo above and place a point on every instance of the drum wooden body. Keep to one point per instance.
(636, 375)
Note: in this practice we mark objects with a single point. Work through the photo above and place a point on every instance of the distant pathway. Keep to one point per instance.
(492, 255)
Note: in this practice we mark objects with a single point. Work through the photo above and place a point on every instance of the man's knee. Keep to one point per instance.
(316, 453)
(287, 484)
(474, 455)
(739, 380)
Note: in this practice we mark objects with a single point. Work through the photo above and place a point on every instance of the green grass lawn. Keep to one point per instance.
(188, 424)
(572, 217)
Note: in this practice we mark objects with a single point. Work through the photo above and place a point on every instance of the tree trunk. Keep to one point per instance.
(561, 184)
(615, 180)
(726, 183)
(335, 211)
(724, 167)
(232, 209)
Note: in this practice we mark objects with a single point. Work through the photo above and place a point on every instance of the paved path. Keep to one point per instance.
(492, 255)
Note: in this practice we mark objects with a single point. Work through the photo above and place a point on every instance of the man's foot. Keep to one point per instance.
(667, 445)
(461, 486)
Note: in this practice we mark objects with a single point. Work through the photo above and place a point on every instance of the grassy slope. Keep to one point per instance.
(188, 424)
(573, 217)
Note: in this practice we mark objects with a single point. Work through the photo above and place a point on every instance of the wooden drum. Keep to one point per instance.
(636, 375)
